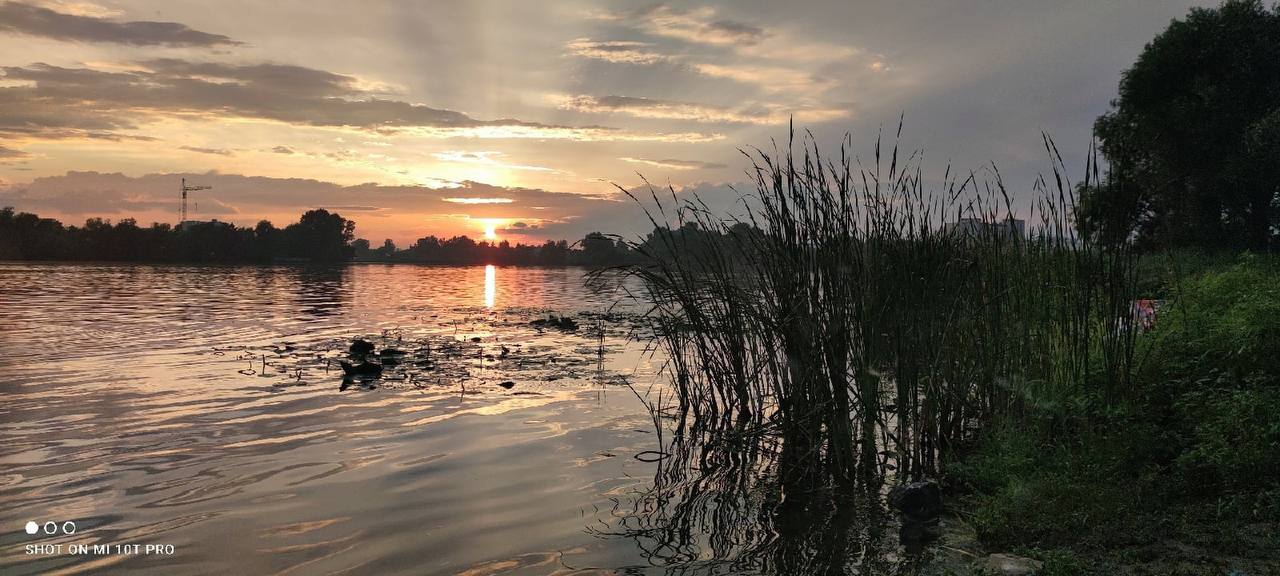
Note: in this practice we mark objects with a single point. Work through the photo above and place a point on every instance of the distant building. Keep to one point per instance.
(974, 227)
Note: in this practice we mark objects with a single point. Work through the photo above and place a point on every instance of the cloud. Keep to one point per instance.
(201, 150)
(788, 68)
(747, 113)
(10, 153)
(54, 101)
(673, 164)
(486, 158)
(460, 200)
(618, 51)
(654, 108)
(282, 150)
(522, 228)
(354, 208)
(626, 217)
(699, 26)
(770, 78)
(39, 21)
(255, 196)
(95, 200)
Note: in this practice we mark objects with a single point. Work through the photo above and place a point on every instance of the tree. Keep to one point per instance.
(387, 251)
(321, 236)
(1191, 141)
(360, 249)
(598, 249)
(266, 241)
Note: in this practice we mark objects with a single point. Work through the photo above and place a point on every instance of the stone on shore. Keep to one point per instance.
(1010, 565)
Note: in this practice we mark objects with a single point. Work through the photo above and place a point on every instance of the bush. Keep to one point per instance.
(1193, 455)
(1217, 353)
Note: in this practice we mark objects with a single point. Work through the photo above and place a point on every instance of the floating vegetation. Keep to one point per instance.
(511, 349)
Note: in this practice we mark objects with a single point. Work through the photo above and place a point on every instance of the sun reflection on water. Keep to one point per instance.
(490, 285)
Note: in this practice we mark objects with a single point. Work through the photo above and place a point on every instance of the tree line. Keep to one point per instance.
(317, 236)
(595, 249)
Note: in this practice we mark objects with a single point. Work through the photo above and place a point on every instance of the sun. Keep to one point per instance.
(490, 230)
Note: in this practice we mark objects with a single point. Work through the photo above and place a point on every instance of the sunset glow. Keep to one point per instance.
(416, 134)
(479, 200)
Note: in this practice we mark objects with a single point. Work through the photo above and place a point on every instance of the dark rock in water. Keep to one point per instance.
(363, 369)
(507, 384)
(563, 323)
(917, 500)
(475, 338)
(558, 322)
(392, 352)
(360, 347)
(915, 535)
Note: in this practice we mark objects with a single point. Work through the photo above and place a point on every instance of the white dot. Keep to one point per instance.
(32, 527)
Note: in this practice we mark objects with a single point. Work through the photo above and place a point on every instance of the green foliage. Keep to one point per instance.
(1034, 492)
(1192, 137)
(1218, 352)
(1192, 455)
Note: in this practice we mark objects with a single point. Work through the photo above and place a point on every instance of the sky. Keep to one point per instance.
(521, 120)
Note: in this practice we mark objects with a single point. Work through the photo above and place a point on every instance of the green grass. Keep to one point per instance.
(1185, 477)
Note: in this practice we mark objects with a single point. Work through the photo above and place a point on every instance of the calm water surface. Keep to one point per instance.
(198, 407)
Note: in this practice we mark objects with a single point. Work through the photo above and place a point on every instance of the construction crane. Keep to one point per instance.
(185, 190)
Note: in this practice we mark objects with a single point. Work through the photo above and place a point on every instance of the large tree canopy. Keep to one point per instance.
(1193, 141)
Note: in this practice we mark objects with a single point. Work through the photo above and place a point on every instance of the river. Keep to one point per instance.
(200, 408)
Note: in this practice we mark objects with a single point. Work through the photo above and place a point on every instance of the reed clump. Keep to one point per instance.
(850, 320)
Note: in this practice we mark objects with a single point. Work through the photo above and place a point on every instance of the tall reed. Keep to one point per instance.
(846, 318)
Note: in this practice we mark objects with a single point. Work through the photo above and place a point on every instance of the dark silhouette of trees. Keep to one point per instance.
(322, 236)
(598, 249)
(464, 250)
(267, 241)
(1193, 141)
(318, 236)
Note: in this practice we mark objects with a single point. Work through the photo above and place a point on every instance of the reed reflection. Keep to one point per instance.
(729, 499)
(490, 285)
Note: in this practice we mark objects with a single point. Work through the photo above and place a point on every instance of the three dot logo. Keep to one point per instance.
(51, 528)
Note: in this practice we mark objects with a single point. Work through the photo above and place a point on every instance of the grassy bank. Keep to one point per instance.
(1184, 478)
